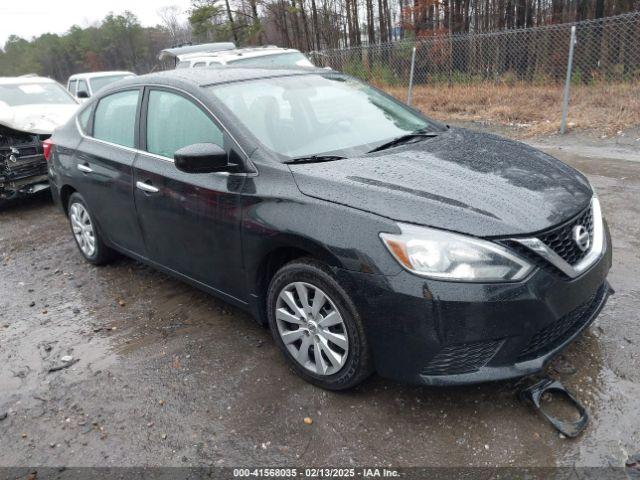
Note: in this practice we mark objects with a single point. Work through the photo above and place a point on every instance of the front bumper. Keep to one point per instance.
(446, 333)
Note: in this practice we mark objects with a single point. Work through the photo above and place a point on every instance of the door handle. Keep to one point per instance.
(84, 168)
(145, 187)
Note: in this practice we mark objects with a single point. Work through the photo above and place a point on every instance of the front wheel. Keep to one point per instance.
(316, 325)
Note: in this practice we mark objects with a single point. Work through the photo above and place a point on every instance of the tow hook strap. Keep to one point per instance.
(534, 395)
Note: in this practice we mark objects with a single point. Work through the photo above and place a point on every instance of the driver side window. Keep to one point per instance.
(174, 122)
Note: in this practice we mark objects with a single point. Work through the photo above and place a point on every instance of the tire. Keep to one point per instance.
(78, 212)
(351, 361)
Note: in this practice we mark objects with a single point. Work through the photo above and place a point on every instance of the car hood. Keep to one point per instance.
(463, 181)
(41, 119)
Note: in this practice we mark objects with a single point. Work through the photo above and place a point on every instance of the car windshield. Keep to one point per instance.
(35, 94)
(100, 82)
(289, 59)
(306, 115)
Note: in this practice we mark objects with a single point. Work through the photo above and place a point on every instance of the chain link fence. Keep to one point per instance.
(499, 68)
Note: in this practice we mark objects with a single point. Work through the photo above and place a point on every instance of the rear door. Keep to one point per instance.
(104, 168)
(190, 222)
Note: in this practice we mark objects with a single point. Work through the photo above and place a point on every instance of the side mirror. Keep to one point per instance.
(82, 94)
(202, 158)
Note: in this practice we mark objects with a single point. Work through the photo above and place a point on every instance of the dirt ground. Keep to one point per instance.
(168, 376)
(603, 110)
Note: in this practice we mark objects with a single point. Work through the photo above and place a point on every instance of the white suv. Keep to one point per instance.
(84, 85)
(268, 56)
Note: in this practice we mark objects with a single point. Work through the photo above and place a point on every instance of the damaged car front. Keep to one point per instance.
(30, 109)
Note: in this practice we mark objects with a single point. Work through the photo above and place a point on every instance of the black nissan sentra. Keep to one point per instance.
(368, 237)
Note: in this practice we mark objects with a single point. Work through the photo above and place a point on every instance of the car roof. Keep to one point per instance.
(89, 75)
(198, 49)
(250, 52)
(25, 79)
(203, 77)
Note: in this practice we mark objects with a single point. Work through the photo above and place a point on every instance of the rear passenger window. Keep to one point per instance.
(198, 65)
(115, 118)
(72, 86)
(174, 122)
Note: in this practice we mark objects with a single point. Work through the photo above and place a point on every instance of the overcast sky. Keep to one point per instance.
(30, 18)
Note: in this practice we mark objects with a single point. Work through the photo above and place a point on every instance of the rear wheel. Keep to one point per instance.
(316, 325)
(85, 232)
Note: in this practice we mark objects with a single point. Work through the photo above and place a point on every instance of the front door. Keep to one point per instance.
(190, 222)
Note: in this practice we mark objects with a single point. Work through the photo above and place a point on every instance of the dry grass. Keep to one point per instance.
(531, 110)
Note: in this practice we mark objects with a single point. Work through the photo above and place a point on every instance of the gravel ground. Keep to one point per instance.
(168, 376)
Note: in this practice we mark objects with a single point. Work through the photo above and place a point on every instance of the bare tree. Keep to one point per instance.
(179, 31)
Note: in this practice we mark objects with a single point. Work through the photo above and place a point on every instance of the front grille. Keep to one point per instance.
(26, 144)
(29, 162)
(24, 151)
(28, 151)
(562, 329)
(533, 257)
(560, 239)
(23, 168)
(463, 358)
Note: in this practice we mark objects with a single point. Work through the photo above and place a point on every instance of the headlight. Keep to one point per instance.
(449, 256)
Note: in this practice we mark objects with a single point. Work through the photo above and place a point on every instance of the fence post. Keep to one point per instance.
(413, 65)
(567, 83)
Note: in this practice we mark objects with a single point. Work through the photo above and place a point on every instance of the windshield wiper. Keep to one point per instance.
(415, 135)
(315, 159)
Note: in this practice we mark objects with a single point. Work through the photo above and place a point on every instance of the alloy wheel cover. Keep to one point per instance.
(312, 328)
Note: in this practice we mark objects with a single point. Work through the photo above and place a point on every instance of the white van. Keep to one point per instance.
(84, 85)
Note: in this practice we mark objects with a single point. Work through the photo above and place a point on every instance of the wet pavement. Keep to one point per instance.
(168, 375)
